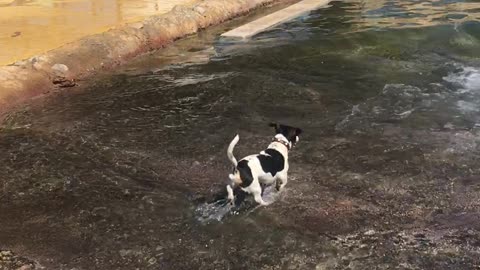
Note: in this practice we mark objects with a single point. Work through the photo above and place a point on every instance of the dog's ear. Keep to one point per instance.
(298, 131)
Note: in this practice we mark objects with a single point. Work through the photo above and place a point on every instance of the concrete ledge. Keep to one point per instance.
(286, 14)
(62, 66)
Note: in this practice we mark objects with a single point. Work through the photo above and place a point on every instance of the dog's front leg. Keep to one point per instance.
(256, 191)
(282, 180)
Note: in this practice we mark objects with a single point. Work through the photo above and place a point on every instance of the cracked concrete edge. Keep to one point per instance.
(77, 60)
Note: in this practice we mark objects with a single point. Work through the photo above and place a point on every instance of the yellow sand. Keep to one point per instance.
(31, 27)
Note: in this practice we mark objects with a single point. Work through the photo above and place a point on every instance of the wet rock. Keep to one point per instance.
(63, 82)
(60, 70)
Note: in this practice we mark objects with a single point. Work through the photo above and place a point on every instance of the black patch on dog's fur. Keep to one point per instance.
(245, 173)
(239, 196)
(288, 132)
(273, 162)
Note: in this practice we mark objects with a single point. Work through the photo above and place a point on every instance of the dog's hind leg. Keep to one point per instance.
(240, 196)
(234, 181)
(230, 196)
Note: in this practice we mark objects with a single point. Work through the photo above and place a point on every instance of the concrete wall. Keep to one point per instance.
(62, 66)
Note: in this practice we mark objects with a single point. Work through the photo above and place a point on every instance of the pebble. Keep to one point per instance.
(60, 68)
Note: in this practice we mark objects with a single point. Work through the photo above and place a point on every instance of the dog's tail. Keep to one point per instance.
(230, 150)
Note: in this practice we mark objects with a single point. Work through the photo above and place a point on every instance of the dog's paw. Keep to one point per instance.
(264, 203)
(278, 186)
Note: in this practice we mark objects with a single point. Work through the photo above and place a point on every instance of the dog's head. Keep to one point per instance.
(290, 133)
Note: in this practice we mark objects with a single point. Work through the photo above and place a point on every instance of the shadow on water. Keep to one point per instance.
(124, 172)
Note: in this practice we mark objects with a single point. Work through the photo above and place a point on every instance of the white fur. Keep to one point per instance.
(260, 176)
(230, 150)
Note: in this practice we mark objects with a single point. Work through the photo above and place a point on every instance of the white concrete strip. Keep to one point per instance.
(276, 18)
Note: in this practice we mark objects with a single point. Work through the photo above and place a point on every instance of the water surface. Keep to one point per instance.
(115, 174)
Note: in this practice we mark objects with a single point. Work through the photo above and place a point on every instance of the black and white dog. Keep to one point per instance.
(266, 168)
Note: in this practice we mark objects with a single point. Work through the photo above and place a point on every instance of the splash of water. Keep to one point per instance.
(215, 211)
(221, 209)
(467, 79)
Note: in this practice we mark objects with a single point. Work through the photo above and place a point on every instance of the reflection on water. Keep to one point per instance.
(33, 27)
(412, 13)
(29, 27)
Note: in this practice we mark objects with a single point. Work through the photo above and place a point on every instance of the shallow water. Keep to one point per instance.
(31, 27)
(122, 171)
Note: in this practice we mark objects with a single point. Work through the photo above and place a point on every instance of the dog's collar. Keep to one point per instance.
(282, 142)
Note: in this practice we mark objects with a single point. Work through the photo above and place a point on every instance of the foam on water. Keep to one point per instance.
(396, 102)
(468, 79)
